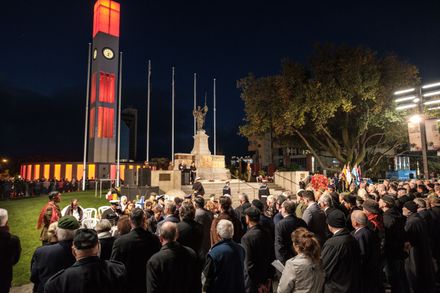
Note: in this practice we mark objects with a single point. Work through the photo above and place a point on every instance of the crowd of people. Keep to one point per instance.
(17, 187)
(372, 238)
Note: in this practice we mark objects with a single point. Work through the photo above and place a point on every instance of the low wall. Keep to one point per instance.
(289, 180)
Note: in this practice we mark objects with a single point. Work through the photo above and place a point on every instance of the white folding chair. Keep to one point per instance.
(89, 223)
(101, 210)
(89, 213)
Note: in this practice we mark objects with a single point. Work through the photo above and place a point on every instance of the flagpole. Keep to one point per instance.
(86, 124)
(172, 119)
(148, 112)
(215, 130)
(118, 162)
(195, 99)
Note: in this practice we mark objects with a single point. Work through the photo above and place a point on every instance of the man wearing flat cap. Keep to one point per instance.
(49, 213)
(418, 265)
(49, 259)
(340, 257)
(89, 273)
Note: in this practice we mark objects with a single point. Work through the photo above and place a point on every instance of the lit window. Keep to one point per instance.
(106, 17)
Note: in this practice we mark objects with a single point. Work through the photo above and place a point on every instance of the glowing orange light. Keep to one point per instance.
(79, 171)
(113, 171)
(29, 172)
(46, 171)
(36, 172)
(91, 171)
(57, 172)
(106, 17)
(68, 174)
(106, 87)
(105, 122)
(23, 171)
(93, 89)
(92, 123)
(122, 172)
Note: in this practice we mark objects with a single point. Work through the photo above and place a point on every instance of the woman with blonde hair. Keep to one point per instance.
(303, 272)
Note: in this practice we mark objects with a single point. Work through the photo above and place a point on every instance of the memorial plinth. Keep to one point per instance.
(209, 167)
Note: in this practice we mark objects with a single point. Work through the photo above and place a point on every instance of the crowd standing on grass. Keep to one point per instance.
(373, 238)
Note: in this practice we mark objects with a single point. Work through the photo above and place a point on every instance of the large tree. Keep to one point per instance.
(339, 104)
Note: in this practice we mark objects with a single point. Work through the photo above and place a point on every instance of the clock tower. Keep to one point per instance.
(104, 81)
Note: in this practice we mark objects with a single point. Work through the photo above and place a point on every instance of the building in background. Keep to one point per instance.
(129, 117)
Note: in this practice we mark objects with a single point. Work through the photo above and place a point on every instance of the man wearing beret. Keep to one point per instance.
(49, 213)
(49, 259)
(418, 265)
(340, 257)
(89, 273)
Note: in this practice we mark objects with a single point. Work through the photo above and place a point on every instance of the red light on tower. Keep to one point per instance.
(106, 17)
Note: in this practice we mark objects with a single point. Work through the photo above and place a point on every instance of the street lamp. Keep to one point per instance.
(4, 160)
(416, 98)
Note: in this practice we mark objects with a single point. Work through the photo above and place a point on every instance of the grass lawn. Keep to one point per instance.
(23, 216)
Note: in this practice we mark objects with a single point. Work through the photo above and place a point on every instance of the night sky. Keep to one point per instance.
(43, 61)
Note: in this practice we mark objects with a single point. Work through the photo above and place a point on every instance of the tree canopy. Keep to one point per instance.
(339, 103)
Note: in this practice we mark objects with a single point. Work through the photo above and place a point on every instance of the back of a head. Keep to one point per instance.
(3, 217)
(170, 207)
(85, 243)
(253, 214)
(168, 231)
(289, 206)
(421, 203)
(187, 211)
(137, 217)
(123, 225)
(280, 199)
(199, 201)
(359, 217)
(309, 195)
(225, 229)
(225, 202)
(306, 243)
(103, 225)
(326, 200)
(243, 197)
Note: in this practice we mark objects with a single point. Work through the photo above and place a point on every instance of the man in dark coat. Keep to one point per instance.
(394, 228)
(227, 188)
(314, 217)
(89, 273)
(259, 253)
(263, 192)
(134, 250)
(112, 214)
(340, 257)
(369, 244)
(244, 204)
(198, 188)
(418, 265)
(435, 232)
(284, 229)
(10, 250)
(49, 259)
(224, 268)
(190, 232)
(175, 267)
(169, 211)
(203, 217)
(227, 213)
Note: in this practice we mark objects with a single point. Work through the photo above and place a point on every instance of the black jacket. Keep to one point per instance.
(198, 189)
(106, 247)
(173, 269)
(394, 225)
(204, 218)
(419, 263)
(259, 256)
(190, 234)
(283, 240)
(369, 245)
(48, 260)
(10, 250)
(341, 262)
(435, 232)
(134, 250)
(89, 275)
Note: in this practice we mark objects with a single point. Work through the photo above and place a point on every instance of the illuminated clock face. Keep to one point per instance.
(108, 53)
(95, 54)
